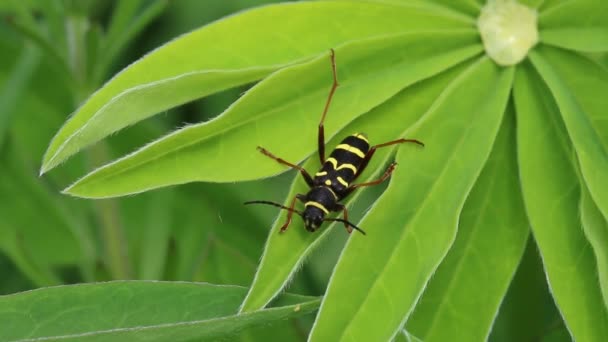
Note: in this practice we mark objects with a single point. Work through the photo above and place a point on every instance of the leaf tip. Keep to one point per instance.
(49, 162)
(68, 191)
(75, 191)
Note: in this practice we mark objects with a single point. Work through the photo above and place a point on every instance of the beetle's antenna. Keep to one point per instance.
(348, 223)
(276, 205)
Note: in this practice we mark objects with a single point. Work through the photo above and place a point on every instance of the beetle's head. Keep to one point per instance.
(313, 218)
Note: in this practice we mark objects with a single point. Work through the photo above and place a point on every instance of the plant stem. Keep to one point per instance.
(107, 211)
(76, 30)
(111, 228)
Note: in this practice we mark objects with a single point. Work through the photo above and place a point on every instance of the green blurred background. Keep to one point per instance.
(192, 232)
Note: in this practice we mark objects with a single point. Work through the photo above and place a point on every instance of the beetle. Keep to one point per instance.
(334, 181)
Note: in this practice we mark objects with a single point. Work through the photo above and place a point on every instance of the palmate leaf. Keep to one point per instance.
(404, 336)
(135, 311)
(591, 152)
(466, 9)
(595, 227)
(287, 104)
(492, 235)
(284, 252)
(578, 25)
(531, 3)
(381, 277)
(587, 83)
(551, 193)
(387, 52)
(237, 50)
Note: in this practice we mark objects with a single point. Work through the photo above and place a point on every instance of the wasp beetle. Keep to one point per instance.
(334, 181)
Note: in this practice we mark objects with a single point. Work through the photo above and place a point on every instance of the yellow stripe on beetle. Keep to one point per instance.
(322, 173)
(347, 166)
(342, 181)
(333, 162)
(316, 204)
(333, 193)
(361, 136)
(351, 149)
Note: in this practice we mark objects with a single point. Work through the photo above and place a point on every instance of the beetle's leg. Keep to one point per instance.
(372, 150)
(304, 173)
(290, 213)
(347, 224)
(386, 174)
(342, 207)
(321, 134)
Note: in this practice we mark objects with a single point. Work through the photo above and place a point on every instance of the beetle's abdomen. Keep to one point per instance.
(343, 162)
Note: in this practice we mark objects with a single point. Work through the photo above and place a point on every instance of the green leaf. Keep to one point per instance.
(370, 71)
(380, 277)
(549, 4)
(491, 239)
(532, 3)
(233, 51)
(465, 10)
(34, 216)
(284, 253)
(404, 336)
(578, 25)
(470, 7)
(122, 13)
(591, 152)
(529, 290)
(587, 82)
(12, 245)
(551, 193)
(220, 226)
(15, 87)
(135, 311)
(120, 34)
(581, 39)
(25, 23)
(596, 231)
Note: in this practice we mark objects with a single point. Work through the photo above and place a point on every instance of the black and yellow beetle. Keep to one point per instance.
(334, 181)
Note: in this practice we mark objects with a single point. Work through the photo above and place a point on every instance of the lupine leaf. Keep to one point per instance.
(287, 104)
(134, 311)
(578, 25)
(236, 50)
(284, 252)
(380, 277)
(596, 231)
(551, 193)
(586, 137)
(491, 239)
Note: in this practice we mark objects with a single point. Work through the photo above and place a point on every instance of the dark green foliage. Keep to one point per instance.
(515, 156)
